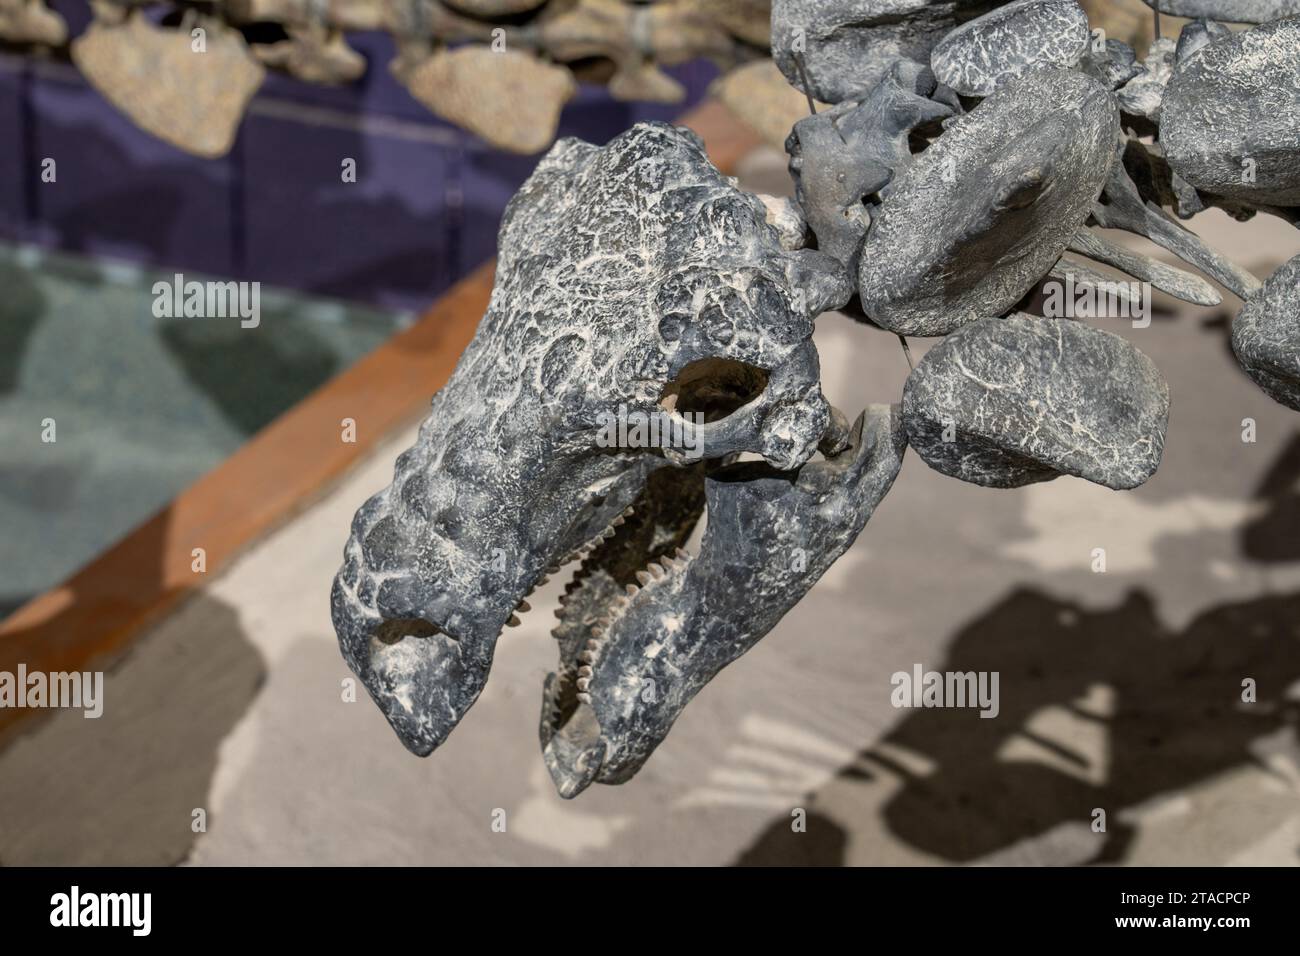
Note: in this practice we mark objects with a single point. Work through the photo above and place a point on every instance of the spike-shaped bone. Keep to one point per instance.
(1196, 35)
(1177, 282)
(1124, 208)
(1084, 278)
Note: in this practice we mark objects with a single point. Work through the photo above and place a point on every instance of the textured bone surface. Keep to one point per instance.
(1228, 11)
(673, 634)
(1114, 64)
(980, 216)
(200, 106)
(1123, 207)
(1178, 283)
(1266, 336)
(785, 216)
(978, 56)
(1197, 34)
(1007, 402)
(840, 157)
(1142, 95)
(1231, 119)
(849, 44)
(511, 99)
(626, 274)
(635, 280)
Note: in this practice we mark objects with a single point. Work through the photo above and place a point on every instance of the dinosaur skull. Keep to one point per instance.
(633, 280)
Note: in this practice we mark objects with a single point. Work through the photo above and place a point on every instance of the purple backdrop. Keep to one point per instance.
(423, 212)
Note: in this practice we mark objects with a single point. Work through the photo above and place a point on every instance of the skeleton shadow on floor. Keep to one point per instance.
(1166, 706)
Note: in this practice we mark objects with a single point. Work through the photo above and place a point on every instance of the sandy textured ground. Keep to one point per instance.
(1119, 690)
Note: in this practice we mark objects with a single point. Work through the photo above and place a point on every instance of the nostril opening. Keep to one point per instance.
(713, 388)
(394, 630)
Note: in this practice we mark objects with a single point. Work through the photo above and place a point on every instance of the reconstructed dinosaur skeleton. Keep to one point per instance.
(503, 69)
(956, 166)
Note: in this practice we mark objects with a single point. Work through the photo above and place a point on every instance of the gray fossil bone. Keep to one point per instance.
(1123, 207)
(842, 156)
(1143, 94)
(1266, 336)
(633, 279)
(978, 56)
(1231, 119)
(1178, 283)
(1072, 275)
(1228, 11)
(785, 216)
(1114, 64)
(1007, 402)
(846, 46)
(1010, 182)
(1197, 35)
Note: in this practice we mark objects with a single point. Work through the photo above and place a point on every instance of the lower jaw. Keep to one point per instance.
(575, 753)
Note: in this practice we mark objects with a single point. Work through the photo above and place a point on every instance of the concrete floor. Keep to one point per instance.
(1120, 690)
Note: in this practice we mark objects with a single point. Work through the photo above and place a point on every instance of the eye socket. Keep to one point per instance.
(713, 387)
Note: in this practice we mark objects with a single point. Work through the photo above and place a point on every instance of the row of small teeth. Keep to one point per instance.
(584, 551)
(654, 571)
(581, 554)
(591, 650)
